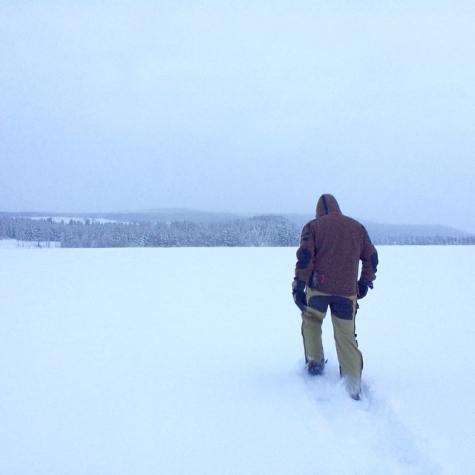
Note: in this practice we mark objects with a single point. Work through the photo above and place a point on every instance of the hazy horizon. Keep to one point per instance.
(299, 218)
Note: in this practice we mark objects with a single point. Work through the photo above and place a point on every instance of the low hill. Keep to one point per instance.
(379, 230)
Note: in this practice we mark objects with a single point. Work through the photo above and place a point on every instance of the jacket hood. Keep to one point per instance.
(327, 204)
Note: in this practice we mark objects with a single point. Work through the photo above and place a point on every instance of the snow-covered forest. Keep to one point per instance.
(258, 231)
(272, 231)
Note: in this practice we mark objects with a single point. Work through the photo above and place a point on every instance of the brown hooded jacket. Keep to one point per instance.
(331, 247)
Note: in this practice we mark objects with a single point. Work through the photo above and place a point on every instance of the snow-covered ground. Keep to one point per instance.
(66, 219)
(189, 361)
(15, 243)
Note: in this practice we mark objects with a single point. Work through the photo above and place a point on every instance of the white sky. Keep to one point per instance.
(240, 106)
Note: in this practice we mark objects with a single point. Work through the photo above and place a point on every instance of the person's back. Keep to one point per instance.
(326, 275)
(337, 244)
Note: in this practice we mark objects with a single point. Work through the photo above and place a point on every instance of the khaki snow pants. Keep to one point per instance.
(343, 310)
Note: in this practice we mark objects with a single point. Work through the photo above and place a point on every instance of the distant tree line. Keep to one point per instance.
(264, 231)
(269, 231)
(423, 240)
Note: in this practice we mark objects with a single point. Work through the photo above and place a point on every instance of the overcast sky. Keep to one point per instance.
(240, 106)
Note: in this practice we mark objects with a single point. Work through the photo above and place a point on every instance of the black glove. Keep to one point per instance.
(363, 288)
(298, 292)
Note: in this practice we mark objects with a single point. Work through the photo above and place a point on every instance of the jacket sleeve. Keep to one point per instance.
(369, 260)
(305, 255)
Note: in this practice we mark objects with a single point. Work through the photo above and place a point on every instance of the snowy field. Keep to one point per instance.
(189, 361)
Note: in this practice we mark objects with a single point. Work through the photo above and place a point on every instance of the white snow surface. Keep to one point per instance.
(190, 361)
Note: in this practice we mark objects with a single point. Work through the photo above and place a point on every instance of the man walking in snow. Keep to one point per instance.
(326, 275)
